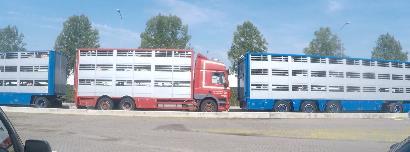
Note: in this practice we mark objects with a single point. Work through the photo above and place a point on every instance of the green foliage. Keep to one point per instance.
(388, 48)
(69, 93)
(77, 33)
(11, 40)
(246, 38)
(325, 43)
(165, 32)
(234, 97)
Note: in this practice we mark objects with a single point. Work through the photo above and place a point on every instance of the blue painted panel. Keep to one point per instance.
(245, 100)
(51, 70)
(322, 105)
(372, 105)
(15, 98)
(260, 104)
(247, 77)
(296, 104)
(362, 105)
(406, 106)
(60, 70)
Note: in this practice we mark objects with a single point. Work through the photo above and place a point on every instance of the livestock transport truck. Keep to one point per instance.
(289, 82)
(32, 78)
(149, 79)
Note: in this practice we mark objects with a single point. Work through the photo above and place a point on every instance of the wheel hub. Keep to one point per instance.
(126, 106)
(105, 105)
(282, 108)
(396, 108)
(332, 108)
(209, 107)
(309, 108)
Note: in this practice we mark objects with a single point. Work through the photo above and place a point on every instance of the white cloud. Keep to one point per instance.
(24, 16)
(116, 37)
(334, 6)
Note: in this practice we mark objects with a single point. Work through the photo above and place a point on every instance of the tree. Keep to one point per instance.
(165, 32)
(246, 38)
(325, 43)
(11, 40)
(77, 33)
(388, 48)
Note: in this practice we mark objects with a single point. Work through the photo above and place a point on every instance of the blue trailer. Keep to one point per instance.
(32, 78)
(292, 82)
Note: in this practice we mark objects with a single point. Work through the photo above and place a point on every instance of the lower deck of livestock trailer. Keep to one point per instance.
(289, 82)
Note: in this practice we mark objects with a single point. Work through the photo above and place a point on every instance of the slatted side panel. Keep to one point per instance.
(137, 73)
(24, 72)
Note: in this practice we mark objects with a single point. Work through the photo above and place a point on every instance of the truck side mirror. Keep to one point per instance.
(37, 145)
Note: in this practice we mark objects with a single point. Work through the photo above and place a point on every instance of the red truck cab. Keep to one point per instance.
(211, 84)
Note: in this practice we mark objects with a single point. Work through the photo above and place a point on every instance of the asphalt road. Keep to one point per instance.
(68, 133)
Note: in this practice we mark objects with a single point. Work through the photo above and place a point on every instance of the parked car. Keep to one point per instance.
(11, 142)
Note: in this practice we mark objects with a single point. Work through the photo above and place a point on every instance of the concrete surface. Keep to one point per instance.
(87, 133)
(184, 114)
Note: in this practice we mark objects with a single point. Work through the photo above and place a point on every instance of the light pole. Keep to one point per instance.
(340, 42)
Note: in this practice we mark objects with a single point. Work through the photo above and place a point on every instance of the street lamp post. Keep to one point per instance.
(340, 42)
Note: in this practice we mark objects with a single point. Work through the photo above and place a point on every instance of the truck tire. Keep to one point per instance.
(282, 106)
(209, 105)
(127, 104)
(41, 102)
(308, 107)
(395, 107)
(105, 103)
(333, 107)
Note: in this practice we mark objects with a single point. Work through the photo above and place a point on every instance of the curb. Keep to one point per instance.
(231, 115)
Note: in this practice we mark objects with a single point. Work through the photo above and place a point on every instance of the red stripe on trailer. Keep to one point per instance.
(89, 101)
(192, 73)
(76, 78)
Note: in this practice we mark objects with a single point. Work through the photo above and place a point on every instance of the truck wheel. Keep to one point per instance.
(395, 107)
(127, 104)
(282, 106)
(41, 102)
(333, 107)
(209, 105)
(105, 103)
(309, 107)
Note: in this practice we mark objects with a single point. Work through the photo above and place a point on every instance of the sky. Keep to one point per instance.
(288, 26)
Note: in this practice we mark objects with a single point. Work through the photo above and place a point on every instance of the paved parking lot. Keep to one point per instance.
(68, 133)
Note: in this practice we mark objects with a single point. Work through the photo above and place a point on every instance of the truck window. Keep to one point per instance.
(218, 78)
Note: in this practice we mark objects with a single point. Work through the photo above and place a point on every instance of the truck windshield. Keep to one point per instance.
(218, 78)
